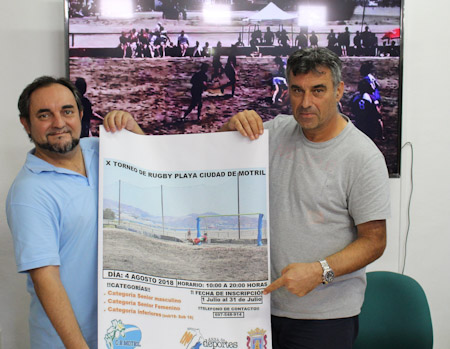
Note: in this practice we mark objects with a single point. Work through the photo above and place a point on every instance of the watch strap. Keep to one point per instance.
(328, 273)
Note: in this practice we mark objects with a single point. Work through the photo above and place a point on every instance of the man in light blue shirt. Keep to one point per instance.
(52, 213)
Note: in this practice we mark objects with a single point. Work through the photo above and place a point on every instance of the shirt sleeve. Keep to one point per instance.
(35, 236)
(369, 198)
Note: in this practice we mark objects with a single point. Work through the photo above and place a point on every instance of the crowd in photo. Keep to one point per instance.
(156, 42)
(364, 43)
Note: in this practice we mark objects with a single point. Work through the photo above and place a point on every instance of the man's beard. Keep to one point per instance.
(57, 148)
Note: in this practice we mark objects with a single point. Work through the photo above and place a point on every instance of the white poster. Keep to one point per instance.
(183, 241)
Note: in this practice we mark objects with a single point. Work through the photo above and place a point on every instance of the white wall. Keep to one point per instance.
(426, 124)
(33, 44)
(32, 32)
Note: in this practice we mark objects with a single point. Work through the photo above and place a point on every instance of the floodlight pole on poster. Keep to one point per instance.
(238, 209)
(162, 208)
(119, 198)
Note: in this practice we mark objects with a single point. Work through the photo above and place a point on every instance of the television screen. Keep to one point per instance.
(186, 66)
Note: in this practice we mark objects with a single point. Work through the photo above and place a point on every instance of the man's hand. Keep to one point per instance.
(247, 122)
(116, 120)
(298, 278)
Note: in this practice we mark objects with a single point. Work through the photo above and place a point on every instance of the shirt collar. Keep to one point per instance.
(37, 165)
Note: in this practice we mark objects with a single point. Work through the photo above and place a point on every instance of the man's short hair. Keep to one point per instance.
(44, 81)
(308, 60)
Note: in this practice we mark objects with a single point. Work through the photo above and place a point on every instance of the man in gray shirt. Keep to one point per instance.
(329, 200)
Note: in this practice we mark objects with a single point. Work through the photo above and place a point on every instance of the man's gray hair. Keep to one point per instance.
(308, 60)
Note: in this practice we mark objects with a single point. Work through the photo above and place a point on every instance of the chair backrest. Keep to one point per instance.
(395, 314)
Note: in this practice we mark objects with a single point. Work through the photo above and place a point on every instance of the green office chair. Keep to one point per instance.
(395, 314)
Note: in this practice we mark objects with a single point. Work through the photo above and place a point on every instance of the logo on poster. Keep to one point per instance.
(257, 339)
(192, 338)
(120, 336)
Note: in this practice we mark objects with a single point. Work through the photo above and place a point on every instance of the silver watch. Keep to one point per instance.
(328, 273)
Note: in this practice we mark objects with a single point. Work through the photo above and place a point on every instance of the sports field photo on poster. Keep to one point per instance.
(187, 66)
(188, 217)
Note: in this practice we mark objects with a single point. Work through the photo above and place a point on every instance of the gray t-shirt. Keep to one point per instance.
(319, 192)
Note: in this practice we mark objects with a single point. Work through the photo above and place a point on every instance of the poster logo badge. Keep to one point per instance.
(257, 339)
(192, 338)
(121, 336)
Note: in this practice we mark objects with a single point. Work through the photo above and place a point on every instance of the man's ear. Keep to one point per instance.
(26, 124)
(81, 115)
(339, 91)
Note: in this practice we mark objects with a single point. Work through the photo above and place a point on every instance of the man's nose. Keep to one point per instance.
(58, 121)
(306, 100)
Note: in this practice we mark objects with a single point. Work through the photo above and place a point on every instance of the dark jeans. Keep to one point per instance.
(314, 334)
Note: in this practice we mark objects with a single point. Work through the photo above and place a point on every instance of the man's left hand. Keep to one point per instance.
(298, 278)
(116, 120)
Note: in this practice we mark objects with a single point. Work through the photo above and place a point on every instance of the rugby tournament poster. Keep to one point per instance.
(183, 241)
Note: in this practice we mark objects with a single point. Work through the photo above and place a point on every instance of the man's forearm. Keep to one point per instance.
(56, 304)
(302, 278)
(368, 247)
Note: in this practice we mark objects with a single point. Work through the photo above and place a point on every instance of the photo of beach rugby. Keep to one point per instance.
(155, 227)
(188, 66)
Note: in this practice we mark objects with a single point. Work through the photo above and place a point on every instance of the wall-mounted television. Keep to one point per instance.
(186, 66)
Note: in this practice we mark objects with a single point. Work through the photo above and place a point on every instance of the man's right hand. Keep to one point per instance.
(247, 122)
(118, 119)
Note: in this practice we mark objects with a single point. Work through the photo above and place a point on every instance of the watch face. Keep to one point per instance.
(329, 276)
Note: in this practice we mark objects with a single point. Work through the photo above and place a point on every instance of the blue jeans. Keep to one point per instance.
(314, 334)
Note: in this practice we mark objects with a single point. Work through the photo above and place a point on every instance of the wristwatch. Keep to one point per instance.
(328, 273)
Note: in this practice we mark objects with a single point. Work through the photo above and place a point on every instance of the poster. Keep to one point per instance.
(116, 49)
(183, 241)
